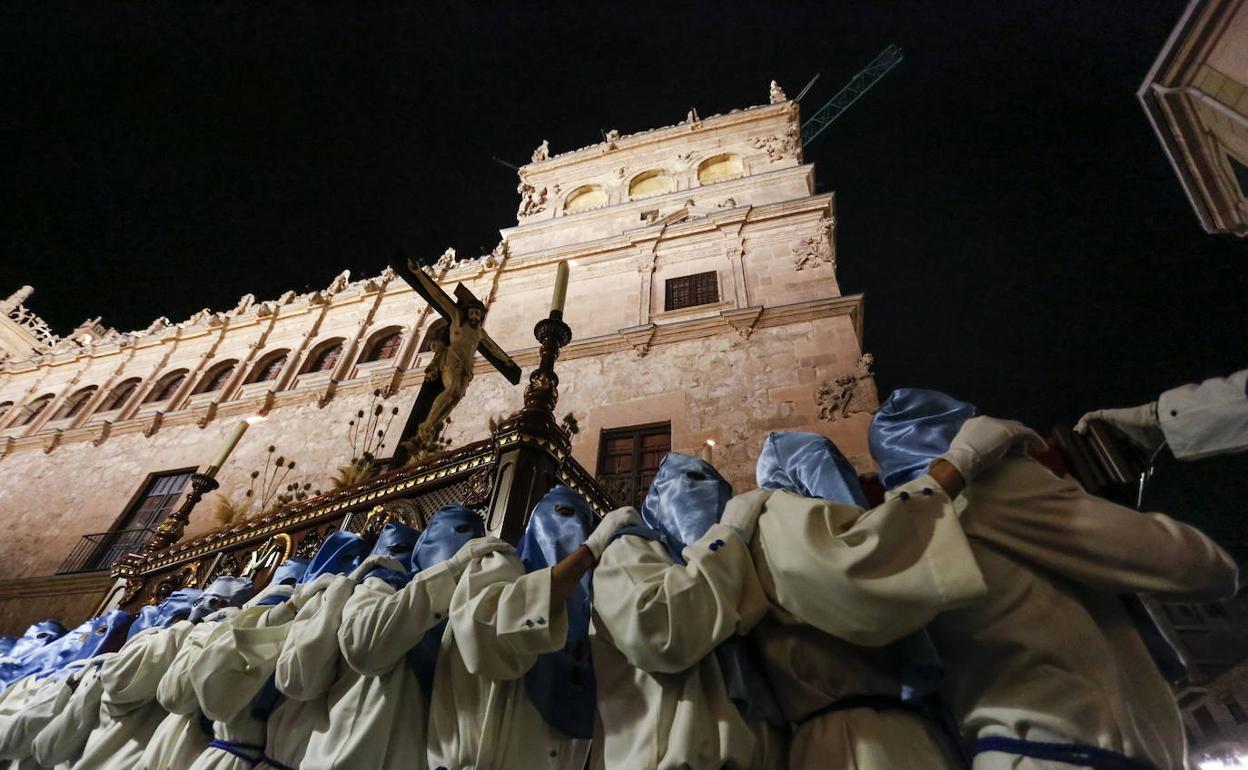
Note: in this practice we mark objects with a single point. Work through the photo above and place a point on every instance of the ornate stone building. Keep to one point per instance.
(703, 301)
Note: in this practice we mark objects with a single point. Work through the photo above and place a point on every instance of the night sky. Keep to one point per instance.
(1002, 200)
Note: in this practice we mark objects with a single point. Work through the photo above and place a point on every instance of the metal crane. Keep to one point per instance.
(861, 83)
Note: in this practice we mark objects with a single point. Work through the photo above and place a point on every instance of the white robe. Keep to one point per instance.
(237, 660)
(501, 620)
(376, 710)
(29, 709)
(656, 625)
(1207, 419)
(61, 741)
(181, 736)
(1049, 654)
(857, 580)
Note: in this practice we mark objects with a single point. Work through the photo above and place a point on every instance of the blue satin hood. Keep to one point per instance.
(224, 592)
(686, 497)
(912, 428)
(809, 465)
(176, 607)
(449, 529)
(288, 573)
(98, 635)
(561, 684)
(338, 555)
(41, 633)
(398, 541)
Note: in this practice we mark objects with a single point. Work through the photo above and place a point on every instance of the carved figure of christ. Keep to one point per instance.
(447, 378)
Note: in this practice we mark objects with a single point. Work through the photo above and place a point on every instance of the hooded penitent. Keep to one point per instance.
(223, 592)
(810, 465)
(686, 497)
(338, 555)
(176, 607)
(94, 637)
(288, 573)
(41, 633)
(398, 541)
(448, 531)
(913, 427)
(561, 684)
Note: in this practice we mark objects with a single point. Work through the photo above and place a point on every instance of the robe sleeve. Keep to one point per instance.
(308, 664)
(175, 692)
(65, 736)
(1206, 419)
(1021, 507)
(665, 617)
(380, 624)
(502, 618)
(48, 700)
(131, 677)
(236, 662)
(870, 577)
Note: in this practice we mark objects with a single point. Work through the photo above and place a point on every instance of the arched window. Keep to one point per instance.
(650, 183)
(216, 377)
(270, 366)
(438, 331)
(164, 388)
(720, 168)
(120, 395)
(324, 357)
(74, 404)
(383, 347)
(585, 198)
(35, 408)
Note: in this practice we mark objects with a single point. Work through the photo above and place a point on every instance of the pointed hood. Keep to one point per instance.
(686, 497)
(913, 427)
(809, 465)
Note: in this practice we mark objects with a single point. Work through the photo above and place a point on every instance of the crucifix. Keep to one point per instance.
(459, 335)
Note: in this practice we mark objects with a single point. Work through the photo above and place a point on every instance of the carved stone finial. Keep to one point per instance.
(287, 297)
(447, 260)
(612, 137)
(159, 324)
(339, 283)
(244, 304)
(776, 93)
(542, 152)
(692, 116)
(17, 298)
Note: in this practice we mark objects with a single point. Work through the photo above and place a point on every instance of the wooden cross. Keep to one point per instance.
(446, 307)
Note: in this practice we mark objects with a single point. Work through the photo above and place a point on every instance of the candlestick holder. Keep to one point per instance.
(542, 393)
(171, 529)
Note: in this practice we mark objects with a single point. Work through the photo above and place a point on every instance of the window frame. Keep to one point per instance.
(636, 470)
(162, 390)
(265, 362)
(707, 277)
(378, 340)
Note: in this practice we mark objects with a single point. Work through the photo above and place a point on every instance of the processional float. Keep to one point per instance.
(503, 477)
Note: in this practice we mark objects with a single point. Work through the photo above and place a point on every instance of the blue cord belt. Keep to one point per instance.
(1075, 754)
(239, 750)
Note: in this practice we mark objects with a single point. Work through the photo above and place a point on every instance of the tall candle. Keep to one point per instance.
(707, 450)
(561, 287)
(230, 443)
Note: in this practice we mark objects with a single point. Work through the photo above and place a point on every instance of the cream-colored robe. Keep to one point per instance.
(1049, 654)
(1206, 419)
(181, 738)
(26, 711)
(237, 660)
(375, 708)
(857, 580)
(501, 620)
(661, 693)
(61, 741)
(128, 713)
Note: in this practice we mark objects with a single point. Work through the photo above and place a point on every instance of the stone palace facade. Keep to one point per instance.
(703, 302)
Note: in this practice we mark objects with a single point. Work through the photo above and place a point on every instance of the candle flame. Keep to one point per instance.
(710, 442)
(255, 418)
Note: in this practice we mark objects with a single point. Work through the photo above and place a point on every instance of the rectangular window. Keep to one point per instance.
(134, 529)
(628, 459)
(690, 291)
